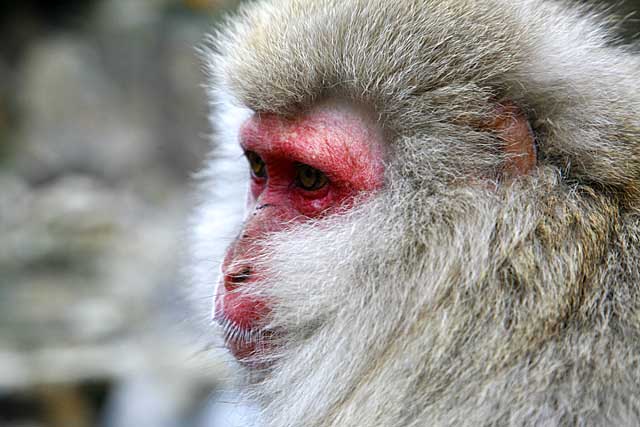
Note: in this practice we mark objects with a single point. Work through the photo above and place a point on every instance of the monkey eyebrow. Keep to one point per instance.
(266, 205)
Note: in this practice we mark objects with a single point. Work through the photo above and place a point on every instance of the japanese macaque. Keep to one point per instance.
(442, 224)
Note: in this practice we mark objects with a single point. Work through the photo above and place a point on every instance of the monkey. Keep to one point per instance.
(442, 220)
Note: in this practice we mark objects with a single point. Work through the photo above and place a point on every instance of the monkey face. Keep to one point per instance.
(302, 169)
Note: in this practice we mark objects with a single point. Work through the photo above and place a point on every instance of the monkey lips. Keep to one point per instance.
(240, 317)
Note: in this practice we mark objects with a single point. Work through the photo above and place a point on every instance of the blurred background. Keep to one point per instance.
(102, 123)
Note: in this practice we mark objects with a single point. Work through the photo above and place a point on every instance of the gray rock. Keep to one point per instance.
(74, 116)
(85, 268)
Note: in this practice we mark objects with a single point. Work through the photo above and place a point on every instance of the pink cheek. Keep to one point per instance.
(314, 205)
(310, 207)
(256, 187)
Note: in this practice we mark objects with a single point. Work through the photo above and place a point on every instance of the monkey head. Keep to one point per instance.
(441, 225)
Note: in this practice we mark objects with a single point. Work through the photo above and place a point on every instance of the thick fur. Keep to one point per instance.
(447, 298)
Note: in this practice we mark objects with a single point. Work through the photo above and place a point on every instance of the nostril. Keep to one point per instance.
(233, 280)
(243, 276)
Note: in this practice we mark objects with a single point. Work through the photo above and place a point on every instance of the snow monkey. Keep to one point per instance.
(442, 222)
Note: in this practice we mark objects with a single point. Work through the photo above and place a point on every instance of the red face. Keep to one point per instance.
(301, 169)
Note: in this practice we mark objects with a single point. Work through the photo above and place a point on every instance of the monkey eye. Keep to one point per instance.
(309, 178)
(258, 168)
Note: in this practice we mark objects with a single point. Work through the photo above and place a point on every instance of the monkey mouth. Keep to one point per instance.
(242, 317)
(246, 344)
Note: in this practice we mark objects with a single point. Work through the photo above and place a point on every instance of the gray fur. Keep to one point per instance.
(444, 300)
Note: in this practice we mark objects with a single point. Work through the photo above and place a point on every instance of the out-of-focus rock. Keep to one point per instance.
(85, 268)
(74, 118)
(123, 105)
(124, 15)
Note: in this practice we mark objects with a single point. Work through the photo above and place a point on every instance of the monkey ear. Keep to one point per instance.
(513, 128)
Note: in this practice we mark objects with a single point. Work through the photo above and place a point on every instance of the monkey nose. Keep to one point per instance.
(235, 278)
